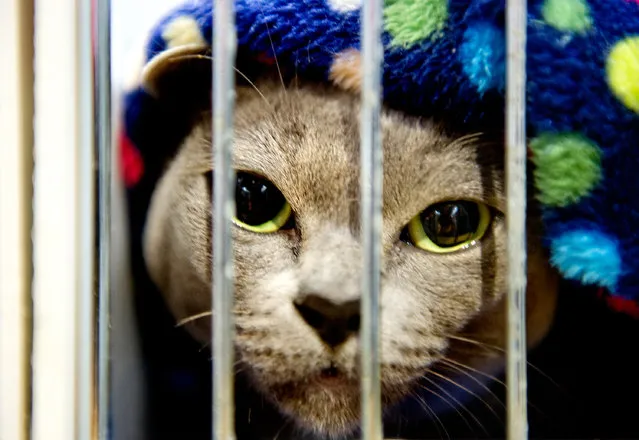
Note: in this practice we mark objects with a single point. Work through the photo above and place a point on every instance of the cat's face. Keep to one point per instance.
(297, 287)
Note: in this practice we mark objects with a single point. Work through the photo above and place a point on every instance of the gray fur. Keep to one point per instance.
(305, 140)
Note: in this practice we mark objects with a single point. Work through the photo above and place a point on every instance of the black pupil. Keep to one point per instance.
(257, 200)
(451, 223)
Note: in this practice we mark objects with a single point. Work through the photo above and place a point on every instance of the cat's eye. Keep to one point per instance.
(260, 206)
(448, 226)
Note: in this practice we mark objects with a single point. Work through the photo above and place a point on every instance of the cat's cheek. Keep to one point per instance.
(408, 333)
(272, 340)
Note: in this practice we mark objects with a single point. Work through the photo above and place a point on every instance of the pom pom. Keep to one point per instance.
(344, 6)
(622, 68)
(346, 71)
(567, 15)
(181, 31)
(131, 164)
(588, 256)
(567, 167)
(482, 55)
(411, 21)
(622, 305)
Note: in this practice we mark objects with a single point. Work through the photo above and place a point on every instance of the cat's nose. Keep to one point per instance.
(333, 321)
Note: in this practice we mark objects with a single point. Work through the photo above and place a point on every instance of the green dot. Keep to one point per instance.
(411, 21)
(567, 15)
(567, 167)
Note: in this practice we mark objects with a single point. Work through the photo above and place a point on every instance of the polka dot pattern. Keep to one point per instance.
(411, 21)
(622, 67)
(446, 58)
(567, 167)
(181, 31)
(588, 256)
(567, 15)
(346, 70)
(483, 57)
(344, 6)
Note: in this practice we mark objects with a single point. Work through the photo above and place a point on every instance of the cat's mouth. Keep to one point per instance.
(333, 377)
(330, 380)
(330, 372)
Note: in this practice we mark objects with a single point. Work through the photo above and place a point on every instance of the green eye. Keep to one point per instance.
(260, 206)
(448, 226)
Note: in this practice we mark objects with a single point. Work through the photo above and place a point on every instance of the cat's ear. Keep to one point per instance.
(181, 76)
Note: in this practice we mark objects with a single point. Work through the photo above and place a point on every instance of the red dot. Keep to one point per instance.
(621, 305)
(131, 164)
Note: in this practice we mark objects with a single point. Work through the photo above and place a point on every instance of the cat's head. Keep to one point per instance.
(298, 252)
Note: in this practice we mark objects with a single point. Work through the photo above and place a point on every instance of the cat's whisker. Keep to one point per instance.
(436, 420)
(277, 64)
(455, 369)
(235, 365)
(501, 350)
(204, 347)
(192, 318)
(238, 71)
(469, 139)
(470, 413)
(449, 403)
(475, 395)
(284, 425)
(450, 363)
(456, 364)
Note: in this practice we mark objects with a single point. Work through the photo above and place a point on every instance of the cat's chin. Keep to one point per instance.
(326, 405)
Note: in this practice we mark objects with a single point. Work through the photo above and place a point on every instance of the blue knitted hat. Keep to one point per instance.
(447, 58)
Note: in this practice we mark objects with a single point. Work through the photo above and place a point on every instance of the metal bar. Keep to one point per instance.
(103, 107)
(516, 217)
(86, 348)
(371, 216)
(63, 234)
(16, 166)
(225, 42)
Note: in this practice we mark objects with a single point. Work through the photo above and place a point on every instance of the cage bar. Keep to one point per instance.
(224, 49)
(516, 22)
(86, 348)
(371, 217)
(63, 233)
(16, 137)
(102, 56)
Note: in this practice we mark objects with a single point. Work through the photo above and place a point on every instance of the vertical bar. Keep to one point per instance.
(103, 107)
(16, 161)
(371, 216)
(225, 41)
(63, 234)
(86, 340)
(516, 217)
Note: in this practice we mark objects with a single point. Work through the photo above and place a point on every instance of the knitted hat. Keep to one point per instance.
(447, 58)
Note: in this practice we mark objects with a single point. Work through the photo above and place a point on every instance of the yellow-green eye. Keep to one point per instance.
(448, 226)
(259, 205)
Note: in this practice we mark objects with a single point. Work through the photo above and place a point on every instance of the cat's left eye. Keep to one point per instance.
(260, 205)
(448, 226)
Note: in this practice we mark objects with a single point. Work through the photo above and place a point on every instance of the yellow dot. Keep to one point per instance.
(182, 31)
(622, 68)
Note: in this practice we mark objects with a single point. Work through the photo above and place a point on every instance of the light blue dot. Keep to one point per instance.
(588, 256)
(482, 55)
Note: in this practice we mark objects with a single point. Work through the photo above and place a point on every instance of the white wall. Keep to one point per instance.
(131, 21)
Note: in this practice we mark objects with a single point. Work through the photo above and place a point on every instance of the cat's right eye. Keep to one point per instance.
(448, 226)
(260, 205)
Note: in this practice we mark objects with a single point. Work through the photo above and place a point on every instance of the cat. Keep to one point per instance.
(298, 253)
